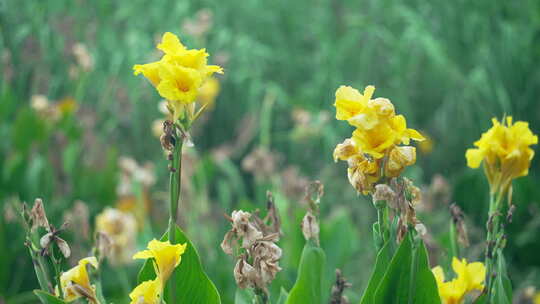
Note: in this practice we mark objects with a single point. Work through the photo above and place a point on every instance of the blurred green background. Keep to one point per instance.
(71, 110)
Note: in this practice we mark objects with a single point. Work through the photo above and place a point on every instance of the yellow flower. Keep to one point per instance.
(469, 277)
(426, 146)
(399, 158)
(166, 256)
(505, 151)
(537, 298)
(363, 173)
(121, 228)
(75, 282)
(345, 150)
(209, 92)
(472, 274)
(379, 139)
(148, 292)
(349, 102)
(180, 73)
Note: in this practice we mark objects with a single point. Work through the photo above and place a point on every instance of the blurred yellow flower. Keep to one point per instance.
(536, 298)
(209, 92)
(180, 73)
(426, 146)
(166, 256)
(121, 227)
(75, 282)
(148, 292)
(469, 277)
(505, 151)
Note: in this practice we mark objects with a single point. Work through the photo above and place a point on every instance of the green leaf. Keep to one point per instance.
(193, 285)
(408, 279)
(502, 288)
(307, 288)
(283, 295)
(426, 290)
(244, 296)
(47, 298)
(381, 264)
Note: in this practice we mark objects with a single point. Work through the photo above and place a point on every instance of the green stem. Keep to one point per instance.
(260, 296)
(40, 270)
(175, 183)
(453, 240)
(57, 272)
(493, 226)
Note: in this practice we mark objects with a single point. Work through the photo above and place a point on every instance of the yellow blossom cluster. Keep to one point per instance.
(166, 257)
(179, 75)
(373, 151)
(470, 276)
(505, 151)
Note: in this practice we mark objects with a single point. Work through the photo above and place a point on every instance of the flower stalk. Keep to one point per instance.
(175, 188)
(494, 229)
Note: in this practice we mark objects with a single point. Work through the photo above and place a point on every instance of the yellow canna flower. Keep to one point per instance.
(180, 73)
(349, 102)
(469, 277)
(504, 150)
(363, 173)
(399, 158)
(166, 257)
(379, 139)
(472, 275)
(148, 292)
(345, 150)
(75, 282)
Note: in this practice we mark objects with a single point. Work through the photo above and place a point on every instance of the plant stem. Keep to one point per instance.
(493, 227)
(56, 266)
(40, 270)
(174, 184)
(414, 264)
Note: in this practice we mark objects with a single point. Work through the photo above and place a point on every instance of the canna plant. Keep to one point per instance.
(505, 153)
(377, 153)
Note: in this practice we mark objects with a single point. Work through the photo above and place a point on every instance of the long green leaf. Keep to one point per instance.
(381, 264)
(307, 288)
(193, 285)
(408, 279)
(47, 298)
(502, 289)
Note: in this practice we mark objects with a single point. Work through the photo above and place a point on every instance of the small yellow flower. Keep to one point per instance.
(148, 292)
(469, 277)
(505, 151)
(75, 282)
(166, 257)
(180, 73)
